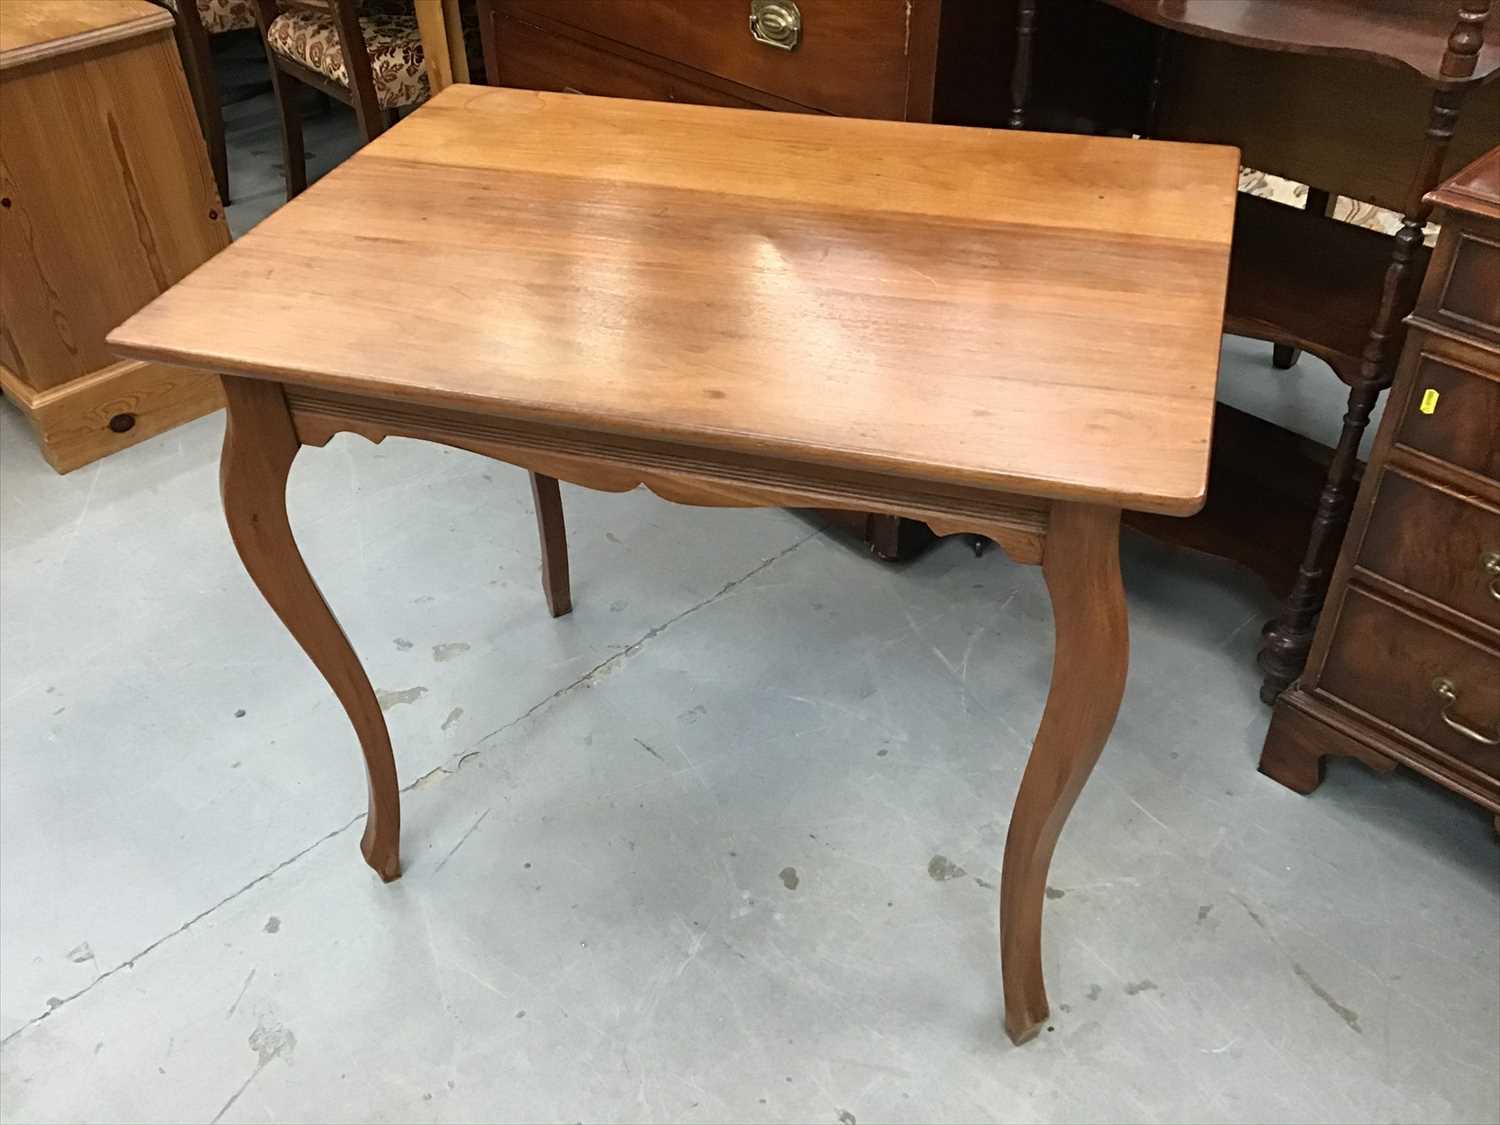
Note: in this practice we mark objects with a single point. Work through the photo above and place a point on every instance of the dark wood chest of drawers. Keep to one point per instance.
(857, 58)
(1405, 668)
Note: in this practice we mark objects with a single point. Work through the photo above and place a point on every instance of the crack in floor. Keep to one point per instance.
(474, 750)
(196, 918)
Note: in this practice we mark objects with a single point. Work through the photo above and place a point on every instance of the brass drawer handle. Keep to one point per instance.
(1489, 563)
(776, 23)
(1447, 691)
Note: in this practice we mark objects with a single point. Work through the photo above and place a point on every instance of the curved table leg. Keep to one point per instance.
(554, 536)
(1082, 566)
(259, 445)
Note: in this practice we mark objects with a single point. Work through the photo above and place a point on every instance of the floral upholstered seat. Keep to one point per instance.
(219, 16)
(397, 63)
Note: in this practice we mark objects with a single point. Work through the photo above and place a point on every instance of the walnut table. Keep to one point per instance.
(1008, 333)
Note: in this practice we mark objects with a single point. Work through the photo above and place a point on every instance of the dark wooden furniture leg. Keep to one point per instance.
(293, 158)
(259, 445)
(1081, 562)
(1286, 644)
(1020, 74)
(1285, 356)
(362, 96)
(203, 82)
(286, 77)
(552, 531)
(1161, 52)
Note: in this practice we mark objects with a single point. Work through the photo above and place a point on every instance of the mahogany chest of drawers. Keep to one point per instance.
(1405, 667)
(856, 58)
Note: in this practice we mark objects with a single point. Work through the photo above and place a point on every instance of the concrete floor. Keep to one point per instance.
(720, 846)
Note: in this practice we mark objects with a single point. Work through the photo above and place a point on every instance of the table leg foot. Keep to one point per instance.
(1022, 1029)
(554, 536)
(259, 445)
(1082, 567)
(382, 851)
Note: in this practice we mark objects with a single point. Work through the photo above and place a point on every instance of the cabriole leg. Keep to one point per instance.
(1081, 562)
(259, 445)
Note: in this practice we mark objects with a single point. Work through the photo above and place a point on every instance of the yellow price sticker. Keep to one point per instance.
(1429, 401)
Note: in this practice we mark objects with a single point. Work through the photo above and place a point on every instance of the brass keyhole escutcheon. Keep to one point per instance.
(776, 23)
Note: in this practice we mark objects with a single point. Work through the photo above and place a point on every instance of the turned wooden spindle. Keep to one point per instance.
(1284, 650)
(1465, 40)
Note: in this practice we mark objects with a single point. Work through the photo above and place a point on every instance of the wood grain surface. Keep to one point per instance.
(110, 409)
(529, 55)
(1089, 665)
(854, 56)
(1409, 33)
(1463, 418)
(106, 199)
(1384, 662)
(259, 446)
(1025, 312)
(32, 32)
(1476, 187)
(1435, 542)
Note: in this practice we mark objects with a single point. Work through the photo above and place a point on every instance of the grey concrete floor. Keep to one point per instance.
(719, 846)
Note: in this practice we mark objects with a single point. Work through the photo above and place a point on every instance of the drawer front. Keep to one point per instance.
(1454, 414)
(532, 58)
(1464, 289)
(1384, 661)
(851, 58)
(1437, 544)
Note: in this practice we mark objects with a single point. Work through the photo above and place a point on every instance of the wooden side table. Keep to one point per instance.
(106, 199)
(1009, 334)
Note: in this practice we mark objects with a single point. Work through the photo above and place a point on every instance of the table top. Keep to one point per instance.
(1410, 33)
(1475, 188)
(31, 30)
(1027, 312)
